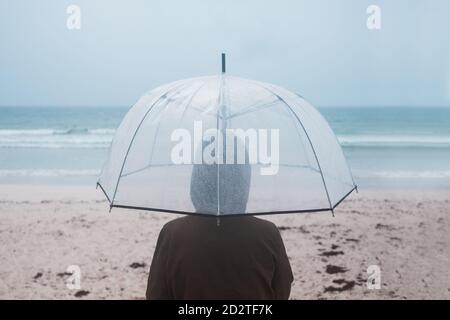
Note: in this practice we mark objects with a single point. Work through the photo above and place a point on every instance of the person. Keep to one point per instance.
(231, 257)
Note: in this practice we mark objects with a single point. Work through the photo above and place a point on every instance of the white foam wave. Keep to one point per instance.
(410, 174)
(47, 132)
(102, 131)
(102, 137)
(394, 140)
(52, 138)
(47, 173)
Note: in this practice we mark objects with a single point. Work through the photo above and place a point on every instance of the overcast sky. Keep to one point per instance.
(321, 49)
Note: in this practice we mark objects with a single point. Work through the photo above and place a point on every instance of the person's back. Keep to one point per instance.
(242, 258)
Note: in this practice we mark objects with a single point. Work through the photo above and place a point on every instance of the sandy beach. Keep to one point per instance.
(45, 229)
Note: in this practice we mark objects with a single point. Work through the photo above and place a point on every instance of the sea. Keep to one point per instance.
(386, 147)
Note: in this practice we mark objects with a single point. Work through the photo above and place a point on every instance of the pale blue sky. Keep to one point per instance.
(320, 49)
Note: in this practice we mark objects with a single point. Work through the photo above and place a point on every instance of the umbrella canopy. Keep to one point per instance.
(223, 145)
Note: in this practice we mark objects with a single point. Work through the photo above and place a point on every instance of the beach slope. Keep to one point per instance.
(46, 229)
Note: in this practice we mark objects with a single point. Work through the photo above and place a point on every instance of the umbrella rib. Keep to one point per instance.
(252, 108)
(345, 159)
(207, 215)
(343, 198)
(189, 99)
(104, 192)
(134, 135)
(307, 136)
(256, 107)
(188, 106)
(203, 112)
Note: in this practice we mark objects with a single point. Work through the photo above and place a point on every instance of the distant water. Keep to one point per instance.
(388, 146)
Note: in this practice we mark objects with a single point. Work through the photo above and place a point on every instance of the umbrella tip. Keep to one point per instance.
(223, 63)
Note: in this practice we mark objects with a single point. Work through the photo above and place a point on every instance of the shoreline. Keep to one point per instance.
(369, 184)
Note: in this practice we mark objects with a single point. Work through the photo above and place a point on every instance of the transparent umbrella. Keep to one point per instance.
(223, 145)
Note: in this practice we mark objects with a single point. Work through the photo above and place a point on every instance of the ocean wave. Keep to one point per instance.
(394, 141)
(56, 139)
(47, 173)
(49, 132)
(54, 146)
(96, 142)
(103, 131)
(102, 137)
(403, 174)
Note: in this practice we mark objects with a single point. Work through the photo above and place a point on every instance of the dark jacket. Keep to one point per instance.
(242, 258)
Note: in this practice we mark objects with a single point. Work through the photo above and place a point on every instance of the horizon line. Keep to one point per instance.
(317, 106)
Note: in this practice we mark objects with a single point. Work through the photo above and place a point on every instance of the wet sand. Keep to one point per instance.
(46, 229)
